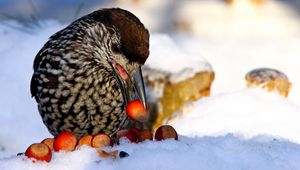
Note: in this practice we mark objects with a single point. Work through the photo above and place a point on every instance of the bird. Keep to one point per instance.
(85, 74)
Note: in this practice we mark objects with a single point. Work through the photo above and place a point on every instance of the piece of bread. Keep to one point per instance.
(270, 79)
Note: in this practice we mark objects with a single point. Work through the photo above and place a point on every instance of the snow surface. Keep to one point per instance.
(210, 153)
(235, 128)
(248, 113)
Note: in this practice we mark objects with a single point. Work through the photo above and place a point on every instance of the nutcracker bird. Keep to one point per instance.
(86, 73)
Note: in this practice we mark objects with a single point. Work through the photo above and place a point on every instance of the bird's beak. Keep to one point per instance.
(139, 85)
(132, 88)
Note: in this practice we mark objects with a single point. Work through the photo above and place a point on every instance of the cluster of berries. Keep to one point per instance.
(67, 141)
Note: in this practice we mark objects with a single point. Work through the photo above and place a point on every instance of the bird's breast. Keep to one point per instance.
(81, 100)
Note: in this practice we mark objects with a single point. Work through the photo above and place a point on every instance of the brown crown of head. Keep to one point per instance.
(134, 35)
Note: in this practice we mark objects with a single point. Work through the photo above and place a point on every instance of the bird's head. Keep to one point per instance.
(129, 46)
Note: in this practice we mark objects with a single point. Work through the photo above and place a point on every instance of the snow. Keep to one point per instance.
(247, 113)
(215, 153)
(235, 128)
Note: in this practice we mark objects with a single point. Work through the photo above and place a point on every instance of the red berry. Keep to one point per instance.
(142, 135)
(145, 135)
(101, 140)
(65, 141)
(39, 151)
(135, 130)
(128, 134)
(165, 132)
(136, 111)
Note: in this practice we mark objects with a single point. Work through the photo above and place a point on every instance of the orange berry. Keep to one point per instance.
(49, 143)
(39, 151)
(101, 140)
(86, 140)
(104, 154)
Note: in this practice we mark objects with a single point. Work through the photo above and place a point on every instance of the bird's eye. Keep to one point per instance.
(116, 48)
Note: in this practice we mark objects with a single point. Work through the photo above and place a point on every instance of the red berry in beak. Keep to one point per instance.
(136, 111)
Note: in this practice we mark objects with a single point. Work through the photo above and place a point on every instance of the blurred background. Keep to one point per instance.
(229, 18)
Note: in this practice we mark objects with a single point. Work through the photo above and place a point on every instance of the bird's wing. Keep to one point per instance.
(38, 59)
